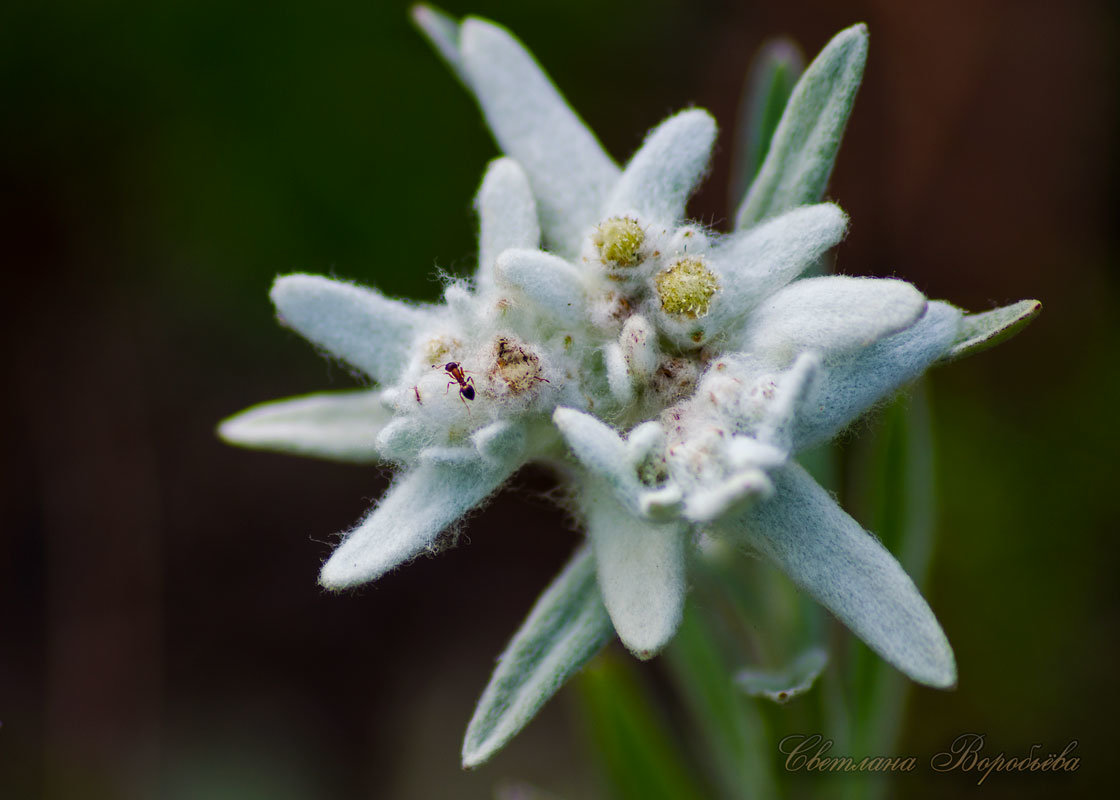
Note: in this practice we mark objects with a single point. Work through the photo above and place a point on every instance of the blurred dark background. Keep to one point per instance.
(163, 634)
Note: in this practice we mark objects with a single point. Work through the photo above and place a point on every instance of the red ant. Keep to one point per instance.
(466, 385)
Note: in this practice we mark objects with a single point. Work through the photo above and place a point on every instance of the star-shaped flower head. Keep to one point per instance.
(668, 372)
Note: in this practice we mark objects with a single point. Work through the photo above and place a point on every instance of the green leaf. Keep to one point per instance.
(981, 331)
(641, 758)
(770, 82)
(804, 146)
(783, 685)
(567, 626)
(733, 732)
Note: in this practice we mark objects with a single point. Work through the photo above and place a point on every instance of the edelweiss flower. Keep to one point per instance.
(669, 373)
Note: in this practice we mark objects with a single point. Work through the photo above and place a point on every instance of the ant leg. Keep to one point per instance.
(449, 385)
(465, 404)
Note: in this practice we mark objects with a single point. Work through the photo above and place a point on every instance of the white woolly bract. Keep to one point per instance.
(848, 571)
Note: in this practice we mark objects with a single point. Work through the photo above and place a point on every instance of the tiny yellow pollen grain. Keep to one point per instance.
(619, 240)
(686, 287)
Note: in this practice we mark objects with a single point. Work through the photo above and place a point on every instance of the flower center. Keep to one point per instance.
(686, 287)
(619, 240)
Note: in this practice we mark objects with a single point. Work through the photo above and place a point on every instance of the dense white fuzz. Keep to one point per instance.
(417, 508)
(569, 171)
(848, 571)
(618, 374)
(335, 425)
(549, 281)
(507, 216)
(402, 439)
(756, 263)
(832, 315)
(707, 503)
(657, 182)
(567, 626)
(356, 324)
(641, 569)
(805, 144)
(981, 331)
(849, 385)
(638, 343)
(501, 443)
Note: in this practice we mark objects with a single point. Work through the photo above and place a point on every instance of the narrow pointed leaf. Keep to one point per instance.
(358, 325)
(342, 426)
(567, 626)
(417, 508)
(507, 216)
(662, 174)
(981, 331)
(804, 146)
(810, 538)
(641, 568)
(568, 169)
(769, 84)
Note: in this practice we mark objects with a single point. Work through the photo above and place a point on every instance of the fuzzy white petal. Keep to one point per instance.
(639, 346)
(756, 263)
(569, 171)
(598, 447)
(549, 281)
(847, 570)
(849, 385)
(657, 182)
(359, 325)
(501, 442)
(641, 569)
(402, 439)
(618, 376)
(507, 216)
(729, 496)
(567, 626)
(832, 315)
(336, 425)
(418, 506)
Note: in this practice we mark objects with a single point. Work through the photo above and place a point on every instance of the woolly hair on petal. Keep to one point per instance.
(661, 176)
(756, 263)
(569, 171)
(832, 315)
(507, 216)
(356, 324)
(417, 508)
(641, 568)
(341, 426)
(849, 385)
(549, 281)
(826, 552)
